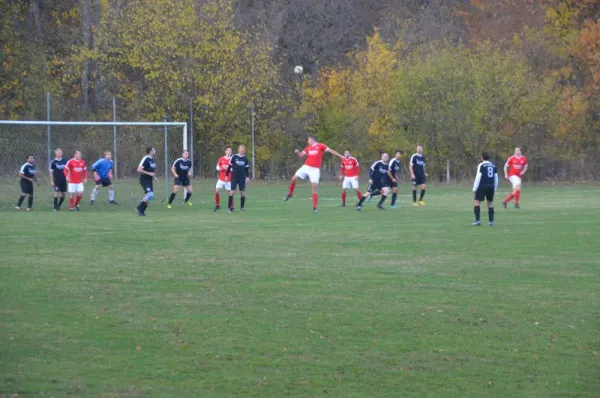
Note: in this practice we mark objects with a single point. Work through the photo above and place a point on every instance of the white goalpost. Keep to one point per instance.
(21, 138)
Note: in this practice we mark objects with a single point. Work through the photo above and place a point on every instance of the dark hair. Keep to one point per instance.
(485, 156)
(399, 151)
(30, 156)
(314, 137)
(149, 149)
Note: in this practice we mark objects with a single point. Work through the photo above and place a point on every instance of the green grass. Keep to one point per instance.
(280, 302)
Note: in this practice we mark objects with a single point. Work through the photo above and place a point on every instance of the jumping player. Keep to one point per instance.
(223, 181)
(239, 170)
(418, 176)
(181, 170)
(311, 169)
(379, 182)
(147, 172)
(27, 174)
(349, 172)
(394, 175)
(77, 175)
(514, 169)
(102, 174)
(486, 184)
(58, 181)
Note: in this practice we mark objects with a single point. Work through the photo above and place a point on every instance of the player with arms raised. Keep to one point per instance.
(311, 169)
(486, 184)
(514, 169)
(223, 181)
(58, 181)
(27, 174)
(181, 170)
(349, 172)
(418, 176)
(379, 181)
(77, 175)
(102, 174)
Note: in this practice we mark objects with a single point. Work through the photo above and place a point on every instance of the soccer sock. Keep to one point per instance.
(230, 202)
(292, 187)
(509, 198)
(517, 196)
(359, 195)
(242, 202)
(217, 199)
(30, 202)
(394, 196)
(95, 193)
(383, 198)
(188, 195)
(491, 214)
(172, 197)
(78, 200)
(111, 195)
(361, 200)
(315, 199)
(477, 210)
(414, 195)
(20, 202)
(422, 194)
(55, 202)
(71, 202)
(344, 197)
(60, 202)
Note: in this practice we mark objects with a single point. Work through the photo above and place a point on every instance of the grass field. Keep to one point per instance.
(280, 302)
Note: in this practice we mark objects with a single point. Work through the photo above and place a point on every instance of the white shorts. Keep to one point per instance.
(313, 173)
(515, 181)
(222, 184)
(350, 182)
(72, 188)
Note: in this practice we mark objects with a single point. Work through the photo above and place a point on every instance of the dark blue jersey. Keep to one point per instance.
(28, 170)
(378, 174)
(486, 177)
(182, 167)
(57, 167)
(238, 167)
(395, 167)
(418, 163)
(147, 164)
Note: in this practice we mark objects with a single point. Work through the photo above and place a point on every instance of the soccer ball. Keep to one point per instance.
(298, 69)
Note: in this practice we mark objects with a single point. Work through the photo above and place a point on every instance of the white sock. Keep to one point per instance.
(95, 193)
(111, 194)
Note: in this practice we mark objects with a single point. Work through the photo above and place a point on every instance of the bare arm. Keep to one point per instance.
(51, 178)
(412, 173)
(27, 178)
(300, 154)
(334, 153)
(174, 172)
(506, 170)
(141, 170)
(524, 170)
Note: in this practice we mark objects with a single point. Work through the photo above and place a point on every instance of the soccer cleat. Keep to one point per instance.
(91, 202)
(380, 207)
(77, 208)
(421, 203)
(140, 213)
(242, 209)
(113, 202)
(393, 207)
(217, 208)
(358, 208)
(287, 197)
(504, 204)
(30, 209)
(55, 209)
(71, 209)
(230, 210)
(517, 206)
(189, 203)
(169, 206)
(491, 224)
(18, 207)
(476, 223)
(369, 200)
(343, 204)
(315, 210)
(415, 204)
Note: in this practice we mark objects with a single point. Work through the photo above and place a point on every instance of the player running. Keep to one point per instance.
(147, 172)
(514, 169)
(486, 184)
(418, 176)
(239, 170)
(102, 174)
(394, 171)
(379, 182)
(27, 174)
(223, 181)
(58, 181)
(311, 169)
(77, 175)
(349, 172)
(182, 170)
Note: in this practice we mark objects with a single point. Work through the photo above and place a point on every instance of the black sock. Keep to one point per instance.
(229, 202)
(172, 197)
(383, 198)
(55, 202)
(20, 202)
(477, 210)
(142, 206)
(361, 201)
(30, 202)
(188, 195)
(414, 195)
(394, 196)
(491, 214)
(422, 194)
(60, 202)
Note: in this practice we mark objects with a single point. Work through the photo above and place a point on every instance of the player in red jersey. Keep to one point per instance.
(311, 169)
(349, 173)
(224, 180)
(77, 175)
(514, 169)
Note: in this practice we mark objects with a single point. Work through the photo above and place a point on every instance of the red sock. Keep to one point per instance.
(315, 200)
(358, 195)
(344, 197)
(78, 199)
(71, 202)
(517, 196)
(217, 199)
(292, 187)
(509, 198)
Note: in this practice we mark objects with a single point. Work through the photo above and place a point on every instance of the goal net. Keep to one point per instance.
(126, 140)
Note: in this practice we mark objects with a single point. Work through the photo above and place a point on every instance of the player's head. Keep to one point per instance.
(185, 155)
(150, 151)
(228, 152)
(347, 154)
(58, 153)
(312, 140)
(242, 149)
(517, 151)
(398, 154)
(77, 155)
(31, 159)
(107, 155)
(485, 156)
(419, 149)
(385, 157)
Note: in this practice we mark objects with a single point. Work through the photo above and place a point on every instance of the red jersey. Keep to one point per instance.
(516, 165)
(222, 165)
(350, 167)
(76, 171)
(314, 154)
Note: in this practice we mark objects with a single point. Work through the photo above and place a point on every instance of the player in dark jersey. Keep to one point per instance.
(239, 169)
(147, 172)
(27, 174)
(182, 170)
(379, 182)
(394, 171)
(418, 176)
(58, 181)
(486, 184)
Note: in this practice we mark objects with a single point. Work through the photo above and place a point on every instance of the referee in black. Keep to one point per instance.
(240, 175)
(486, 184)
(27, 174)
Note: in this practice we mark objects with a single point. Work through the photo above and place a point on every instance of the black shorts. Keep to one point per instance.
(238, 183)
(485, 193)
(418, 180)
(147, 186)
(26, 186)
(60, 186)
(185, 181)
(393, 184)
(105, 182)
(376, 187)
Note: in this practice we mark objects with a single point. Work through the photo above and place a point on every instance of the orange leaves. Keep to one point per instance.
(587, 48)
